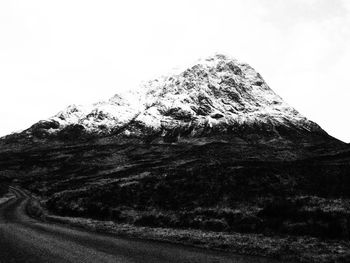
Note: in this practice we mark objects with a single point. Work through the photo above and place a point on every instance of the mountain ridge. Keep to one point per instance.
(216, 95)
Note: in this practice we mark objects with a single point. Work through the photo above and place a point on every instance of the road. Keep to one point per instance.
(24, 239)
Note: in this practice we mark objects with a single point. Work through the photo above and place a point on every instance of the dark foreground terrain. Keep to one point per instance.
(295, 198)
(24, 239)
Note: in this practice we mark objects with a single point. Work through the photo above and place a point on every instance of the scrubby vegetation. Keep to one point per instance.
(293, 216)
(285, 248)
(217, 187)
(3, 189)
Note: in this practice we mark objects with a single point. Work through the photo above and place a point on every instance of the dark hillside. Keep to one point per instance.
(217, 186)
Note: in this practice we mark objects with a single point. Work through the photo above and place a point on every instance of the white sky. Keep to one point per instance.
(56, 53)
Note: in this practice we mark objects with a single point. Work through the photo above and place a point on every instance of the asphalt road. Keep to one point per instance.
(24, 239)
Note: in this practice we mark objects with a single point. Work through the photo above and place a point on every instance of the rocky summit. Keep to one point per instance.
(217, 96)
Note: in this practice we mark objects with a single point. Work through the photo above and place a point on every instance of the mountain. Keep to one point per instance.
(209, 148)
(216, 97)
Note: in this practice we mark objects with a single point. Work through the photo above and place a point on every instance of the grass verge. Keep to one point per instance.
(286, 248)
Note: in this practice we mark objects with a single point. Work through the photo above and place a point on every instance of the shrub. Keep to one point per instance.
(34, 209)
(214, 225)
(156, 220)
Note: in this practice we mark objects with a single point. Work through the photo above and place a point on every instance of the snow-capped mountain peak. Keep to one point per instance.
(217, 93)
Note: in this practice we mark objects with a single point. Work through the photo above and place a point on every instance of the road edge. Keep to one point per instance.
(286, 249)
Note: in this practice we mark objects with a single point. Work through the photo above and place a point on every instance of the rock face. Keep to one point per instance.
(217, 95)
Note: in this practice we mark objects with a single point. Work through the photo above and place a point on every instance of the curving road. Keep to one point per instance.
(24, 239)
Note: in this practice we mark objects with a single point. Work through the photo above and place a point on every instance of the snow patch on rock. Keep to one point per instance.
(215, 91)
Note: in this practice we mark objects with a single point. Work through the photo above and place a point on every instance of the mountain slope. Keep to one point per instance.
(216, 96)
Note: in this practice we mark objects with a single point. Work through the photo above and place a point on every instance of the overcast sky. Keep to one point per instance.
(56, 53)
